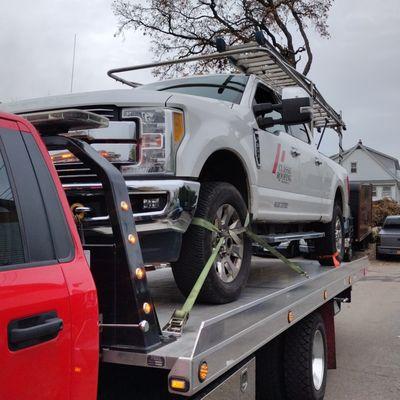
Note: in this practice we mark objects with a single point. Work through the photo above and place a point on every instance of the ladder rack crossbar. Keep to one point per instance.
(266, 63)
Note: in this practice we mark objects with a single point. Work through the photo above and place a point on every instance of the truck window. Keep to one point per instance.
(11, 249)
(300, 132)
(266, 95)
(220, 87)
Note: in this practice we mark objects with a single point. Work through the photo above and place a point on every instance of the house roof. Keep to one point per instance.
(372, 153)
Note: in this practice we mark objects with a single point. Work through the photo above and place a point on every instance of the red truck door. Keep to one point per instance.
(35, 315)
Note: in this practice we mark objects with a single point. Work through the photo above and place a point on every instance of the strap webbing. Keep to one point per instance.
(180, 317)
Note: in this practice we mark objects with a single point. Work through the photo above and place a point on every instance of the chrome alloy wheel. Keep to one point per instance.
(318, 360)
(229, 259)
(338, 235)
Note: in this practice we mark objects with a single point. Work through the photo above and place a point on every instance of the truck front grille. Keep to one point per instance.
(111, 112)
(74, 173)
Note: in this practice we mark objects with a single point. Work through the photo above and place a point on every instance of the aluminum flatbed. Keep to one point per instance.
(274, 299)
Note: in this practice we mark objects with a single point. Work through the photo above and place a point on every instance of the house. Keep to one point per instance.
(366, 165)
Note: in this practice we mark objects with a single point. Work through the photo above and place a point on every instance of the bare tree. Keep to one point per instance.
(181, 28)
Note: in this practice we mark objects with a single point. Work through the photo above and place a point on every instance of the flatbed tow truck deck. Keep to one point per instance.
(224, 335)
(222, 349)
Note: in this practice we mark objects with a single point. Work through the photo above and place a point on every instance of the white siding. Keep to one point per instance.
(379, 192)
(367, 168)
(387, 162)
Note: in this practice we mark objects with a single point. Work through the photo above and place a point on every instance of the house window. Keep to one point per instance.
(386, 191)
(373, 191)
(353, 168)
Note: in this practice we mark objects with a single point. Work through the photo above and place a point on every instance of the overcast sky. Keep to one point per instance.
(355, 70)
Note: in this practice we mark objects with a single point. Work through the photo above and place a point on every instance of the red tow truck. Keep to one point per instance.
(78, 321)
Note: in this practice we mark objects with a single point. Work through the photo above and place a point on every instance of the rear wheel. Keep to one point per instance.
(305, 360)
(221, 204)
(380, 256)
(333, 242)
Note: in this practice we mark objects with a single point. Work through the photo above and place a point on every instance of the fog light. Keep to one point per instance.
(151, 204)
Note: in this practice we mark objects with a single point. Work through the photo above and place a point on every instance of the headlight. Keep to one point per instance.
(161, 130)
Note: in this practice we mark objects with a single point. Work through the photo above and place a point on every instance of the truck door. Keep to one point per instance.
(35, 326)
(312, 187)
(278, 170)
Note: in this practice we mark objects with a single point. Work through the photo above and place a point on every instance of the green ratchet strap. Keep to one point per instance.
(263, 243)
(179, 318)
(255, 238)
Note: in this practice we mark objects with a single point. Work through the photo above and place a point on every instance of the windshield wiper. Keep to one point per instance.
(202, 85)
(225, 84)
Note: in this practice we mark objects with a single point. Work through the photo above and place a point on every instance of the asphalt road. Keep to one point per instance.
(368, 339)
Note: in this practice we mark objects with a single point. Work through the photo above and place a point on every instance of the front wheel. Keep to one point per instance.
(332, 245)
(221, 204)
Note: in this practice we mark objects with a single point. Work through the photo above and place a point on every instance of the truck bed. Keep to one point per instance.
(224, 335)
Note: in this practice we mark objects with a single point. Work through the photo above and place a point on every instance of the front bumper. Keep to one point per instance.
(394, 251)
(180, 205)
(160, 232)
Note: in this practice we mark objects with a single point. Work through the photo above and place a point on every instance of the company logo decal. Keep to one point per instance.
(282, 172)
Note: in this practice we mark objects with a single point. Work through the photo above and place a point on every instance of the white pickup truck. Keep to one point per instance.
(205, 146)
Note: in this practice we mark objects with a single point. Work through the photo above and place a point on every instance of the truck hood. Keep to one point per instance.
(390, 232)
(120, 97)
(186, 100)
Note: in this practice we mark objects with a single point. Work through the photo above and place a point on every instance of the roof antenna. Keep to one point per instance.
(73, 64)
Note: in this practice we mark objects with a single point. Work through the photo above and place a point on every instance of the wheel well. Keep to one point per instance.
(225, 166)
(339, 198)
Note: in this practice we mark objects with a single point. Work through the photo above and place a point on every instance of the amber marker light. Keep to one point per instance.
(139, 273)
(179, 384)
(290, 316)
(124, 206)
(131, 239)
(325, 294)
(203, 371)
(178, 127)
(146, 308)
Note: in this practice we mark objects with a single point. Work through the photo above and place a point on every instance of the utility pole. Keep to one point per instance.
(73, 64)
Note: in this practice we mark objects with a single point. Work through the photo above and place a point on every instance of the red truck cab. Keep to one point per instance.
(49, 335)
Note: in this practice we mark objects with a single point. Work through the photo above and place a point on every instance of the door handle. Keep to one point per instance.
(30, 331)
(318, 162)
(294, 152)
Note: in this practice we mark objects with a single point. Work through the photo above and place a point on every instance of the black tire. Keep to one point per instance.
(326, 247)
(197, 247)
(292, 251)
(348, 254)
(380, 256)
(298, 359)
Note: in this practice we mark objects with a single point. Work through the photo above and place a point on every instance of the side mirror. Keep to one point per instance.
(296, 108)
(297, 111)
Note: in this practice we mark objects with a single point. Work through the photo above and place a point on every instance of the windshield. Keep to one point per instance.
(392, 223)
(221, 87)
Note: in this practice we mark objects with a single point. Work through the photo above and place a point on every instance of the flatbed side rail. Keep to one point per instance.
(227, 338)
(250, 329)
